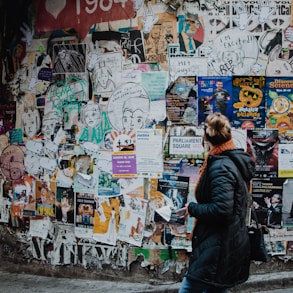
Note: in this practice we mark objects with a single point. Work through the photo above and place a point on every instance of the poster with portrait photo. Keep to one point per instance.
(267, 200)
(214, 95)
(262, 146)
(175, 191)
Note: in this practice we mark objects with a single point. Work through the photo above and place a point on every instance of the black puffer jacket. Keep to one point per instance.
(220, 244)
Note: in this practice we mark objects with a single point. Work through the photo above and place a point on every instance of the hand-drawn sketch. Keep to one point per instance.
(103, 78)
(277, 66)
(243, 16)
(49, 123)
(90, 118)
(235, 52)
(155, 42)
(128, 107)
(149, 18)
(12, 162)
(264, 10)
(106, 73)
(69, 58)
(31, 122)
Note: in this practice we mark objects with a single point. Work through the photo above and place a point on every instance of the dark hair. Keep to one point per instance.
(217, 129)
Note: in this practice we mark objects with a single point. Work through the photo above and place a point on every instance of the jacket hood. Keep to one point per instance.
(243, 161)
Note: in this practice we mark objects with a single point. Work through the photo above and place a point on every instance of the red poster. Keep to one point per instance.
(78, 14)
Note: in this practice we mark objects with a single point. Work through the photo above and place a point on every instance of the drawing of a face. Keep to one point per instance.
(129, 107)
(49, 123)
(135, 112)
(102, 77)
(90, 114)
(92, 118)
(31, 123)
(12, 162)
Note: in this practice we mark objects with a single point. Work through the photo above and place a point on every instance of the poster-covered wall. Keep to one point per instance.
(101, 121)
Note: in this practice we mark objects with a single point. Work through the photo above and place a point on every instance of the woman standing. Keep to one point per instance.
(220, 246)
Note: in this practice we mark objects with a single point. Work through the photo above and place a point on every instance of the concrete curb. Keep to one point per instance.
(27, 283)
(256, 283)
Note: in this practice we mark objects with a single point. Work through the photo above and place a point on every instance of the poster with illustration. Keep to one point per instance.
(248, 100)
(84, 214)
(69, 58)
(182, 101)
(45, 197)
(215, 95)
(132, 220)
(279, 102)
(106, 220)
(24, 197)
(263, 145)
(159, 30)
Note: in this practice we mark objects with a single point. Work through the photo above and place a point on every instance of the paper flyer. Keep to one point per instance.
(106, 220)
(149, 153)
(132, 220)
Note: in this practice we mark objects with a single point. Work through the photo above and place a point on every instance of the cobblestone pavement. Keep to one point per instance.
(27, 283)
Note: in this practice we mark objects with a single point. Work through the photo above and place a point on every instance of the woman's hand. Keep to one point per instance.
(183, 212)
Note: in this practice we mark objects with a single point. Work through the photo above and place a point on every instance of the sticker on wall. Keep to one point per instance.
(12, 162)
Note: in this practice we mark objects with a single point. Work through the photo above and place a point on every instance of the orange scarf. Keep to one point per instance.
(216, 150)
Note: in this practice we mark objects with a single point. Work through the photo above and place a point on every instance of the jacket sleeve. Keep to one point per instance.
(218, 202)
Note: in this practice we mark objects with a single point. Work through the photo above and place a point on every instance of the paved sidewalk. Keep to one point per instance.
(27, 283)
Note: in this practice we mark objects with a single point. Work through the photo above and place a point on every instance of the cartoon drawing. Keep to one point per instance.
(235, 52)
(149, 18)
(102, 78)
(31, 122)
(12, 162)
(270, 39)
(93, 56)
(129, 107)
(28, 34)
(137, 4)
(69, 58)
(90, 117)
(278, 66)
(264, 11)
(190, 34)
(243, 16)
